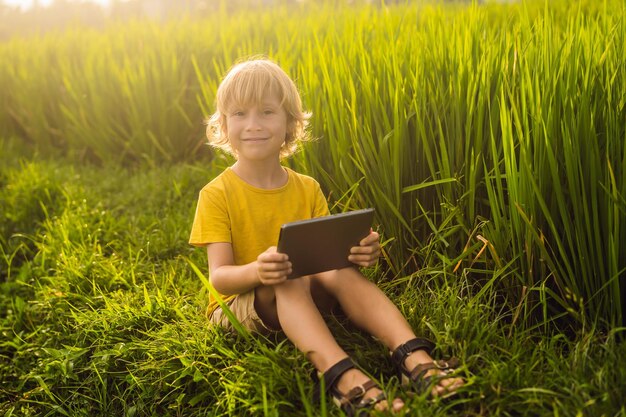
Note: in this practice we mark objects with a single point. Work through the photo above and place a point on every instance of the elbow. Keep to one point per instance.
(218, 281)
(233, 280)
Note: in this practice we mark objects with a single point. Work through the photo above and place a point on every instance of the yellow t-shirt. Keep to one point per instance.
(231, 210)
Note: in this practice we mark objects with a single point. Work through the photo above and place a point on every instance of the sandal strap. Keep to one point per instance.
(420, 370)
(448, 364)
(356, 392)
(418, 374)
(405, 349)
(348, 402)
(333, 373)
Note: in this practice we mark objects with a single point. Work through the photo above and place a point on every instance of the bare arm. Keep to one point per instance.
(270, 268)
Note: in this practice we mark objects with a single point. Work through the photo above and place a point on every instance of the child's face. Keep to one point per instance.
(257, 131)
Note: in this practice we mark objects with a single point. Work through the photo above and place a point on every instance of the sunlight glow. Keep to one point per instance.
(26, 4)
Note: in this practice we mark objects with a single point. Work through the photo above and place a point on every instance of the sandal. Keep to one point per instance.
(416, 377)
(351, 403)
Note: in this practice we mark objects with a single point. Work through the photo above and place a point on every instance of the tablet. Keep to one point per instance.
(323, 243)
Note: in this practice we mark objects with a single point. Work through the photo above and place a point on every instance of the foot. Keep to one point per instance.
(445, 386)
(353, 378)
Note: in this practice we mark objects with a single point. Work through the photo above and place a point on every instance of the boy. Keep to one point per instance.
(259, 119)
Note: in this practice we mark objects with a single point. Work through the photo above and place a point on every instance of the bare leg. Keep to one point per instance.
(290, 306)
(369, 308)
(294, 311)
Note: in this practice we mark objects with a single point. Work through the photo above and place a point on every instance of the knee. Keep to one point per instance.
(331, 281)
(326, 280)
(294, 287)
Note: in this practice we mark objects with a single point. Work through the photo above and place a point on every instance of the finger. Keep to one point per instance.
(275, 270)
(274, 275)
(369, 239)
(273, 281)
(274, 266)
(363, 260)
(366, 254)
(273, 257)
(358, 250)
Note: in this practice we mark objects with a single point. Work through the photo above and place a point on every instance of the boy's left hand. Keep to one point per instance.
(368, 251)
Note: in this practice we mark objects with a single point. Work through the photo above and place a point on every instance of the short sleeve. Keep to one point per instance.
(211, 222)
(321, 205)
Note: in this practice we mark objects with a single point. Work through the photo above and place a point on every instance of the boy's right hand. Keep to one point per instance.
(273, 267)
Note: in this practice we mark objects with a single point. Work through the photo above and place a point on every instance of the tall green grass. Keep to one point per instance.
(563, 157)
(104, 316)
(514, 134)
(487, 135)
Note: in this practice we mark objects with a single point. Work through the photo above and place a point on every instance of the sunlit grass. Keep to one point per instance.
(511, 129)
(490, 140)
(104, 316)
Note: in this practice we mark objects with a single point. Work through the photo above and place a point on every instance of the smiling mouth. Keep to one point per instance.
(254, 139)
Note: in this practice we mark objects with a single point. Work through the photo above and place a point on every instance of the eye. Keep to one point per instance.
(238, 113)
(268, 111)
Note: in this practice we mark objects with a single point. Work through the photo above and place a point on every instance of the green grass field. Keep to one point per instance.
(490, 139)
(103, 315)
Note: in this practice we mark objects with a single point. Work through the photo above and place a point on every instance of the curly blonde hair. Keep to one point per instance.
(249, 82)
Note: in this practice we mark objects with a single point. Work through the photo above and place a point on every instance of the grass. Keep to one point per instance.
(102, 314)
(495, 160)
(511, 130)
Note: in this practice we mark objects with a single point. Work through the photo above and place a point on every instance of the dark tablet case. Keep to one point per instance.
(323, 243)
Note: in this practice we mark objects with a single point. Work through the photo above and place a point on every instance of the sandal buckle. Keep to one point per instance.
(446, 365)
(356, 392)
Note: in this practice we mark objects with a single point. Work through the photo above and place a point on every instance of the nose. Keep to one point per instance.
(253, 122)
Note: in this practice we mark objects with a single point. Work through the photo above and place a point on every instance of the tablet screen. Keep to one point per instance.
(323, 243)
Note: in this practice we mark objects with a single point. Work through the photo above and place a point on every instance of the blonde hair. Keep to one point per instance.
(249, 82)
